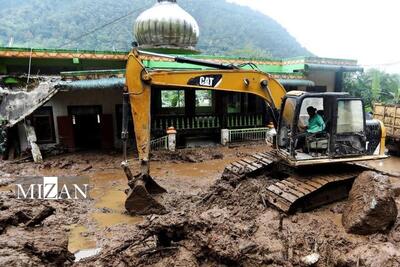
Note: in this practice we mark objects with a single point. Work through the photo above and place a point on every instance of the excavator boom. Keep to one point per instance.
(139, 83)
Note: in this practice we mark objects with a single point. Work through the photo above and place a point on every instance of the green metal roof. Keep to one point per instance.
(287, 66)
(203, 56)
(10, 80)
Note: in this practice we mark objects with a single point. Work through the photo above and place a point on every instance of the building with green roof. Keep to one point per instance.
(86, 112)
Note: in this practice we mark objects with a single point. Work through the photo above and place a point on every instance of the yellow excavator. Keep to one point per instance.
(310, 169)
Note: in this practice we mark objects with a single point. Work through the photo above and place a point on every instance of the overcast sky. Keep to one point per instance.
(366, 30)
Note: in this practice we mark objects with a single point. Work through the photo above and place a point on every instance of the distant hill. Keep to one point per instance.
(225, 28)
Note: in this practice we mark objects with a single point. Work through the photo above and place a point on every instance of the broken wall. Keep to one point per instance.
(18, 104)
(107, 99)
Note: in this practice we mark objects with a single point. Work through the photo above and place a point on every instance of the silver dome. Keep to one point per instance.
(166, 26)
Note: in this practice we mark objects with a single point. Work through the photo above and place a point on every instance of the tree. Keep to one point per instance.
(373, 86)
(376, 85)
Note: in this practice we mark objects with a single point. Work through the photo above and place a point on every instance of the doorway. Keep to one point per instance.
(86, 121)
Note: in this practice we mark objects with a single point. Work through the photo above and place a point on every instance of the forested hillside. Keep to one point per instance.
(225, 28)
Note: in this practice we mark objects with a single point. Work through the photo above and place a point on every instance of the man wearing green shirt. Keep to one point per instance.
(315, 122)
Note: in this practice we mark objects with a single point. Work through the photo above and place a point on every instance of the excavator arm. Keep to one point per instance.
(139, 83)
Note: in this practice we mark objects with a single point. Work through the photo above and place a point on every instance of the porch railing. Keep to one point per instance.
(159, 143)
(245, 120)
(230, 121)
(185, 122)
(252, 134)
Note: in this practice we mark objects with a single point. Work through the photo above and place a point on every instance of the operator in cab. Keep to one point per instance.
(315, 122)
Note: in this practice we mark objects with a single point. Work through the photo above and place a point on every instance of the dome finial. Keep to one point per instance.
(167, 28)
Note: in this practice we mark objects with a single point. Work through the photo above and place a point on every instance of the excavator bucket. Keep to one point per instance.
(143, 193)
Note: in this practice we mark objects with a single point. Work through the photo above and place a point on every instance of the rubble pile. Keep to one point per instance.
(188, 155)
(227, 224)
(232, 225)
(35, 232)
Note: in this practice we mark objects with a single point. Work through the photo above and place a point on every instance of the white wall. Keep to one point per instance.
(107, 99)
(323, 78)
(22, 136)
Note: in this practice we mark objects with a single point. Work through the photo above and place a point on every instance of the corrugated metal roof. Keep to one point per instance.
(289, 82)
(99, 84)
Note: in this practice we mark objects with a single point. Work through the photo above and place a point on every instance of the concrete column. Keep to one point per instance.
(224, 137)
(31, 136)
(171, 132)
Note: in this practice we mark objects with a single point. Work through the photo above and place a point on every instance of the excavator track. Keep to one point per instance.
(298, 191)
(305, 193)
(252, 164)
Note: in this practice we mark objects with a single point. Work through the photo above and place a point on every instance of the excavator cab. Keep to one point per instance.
(342, 137)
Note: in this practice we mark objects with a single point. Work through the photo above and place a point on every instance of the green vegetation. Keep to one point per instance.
(225, 28)
(173, 99)
(374, 86)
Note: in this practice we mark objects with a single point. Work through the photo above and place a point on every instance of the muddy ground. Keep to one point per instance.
(212, 221)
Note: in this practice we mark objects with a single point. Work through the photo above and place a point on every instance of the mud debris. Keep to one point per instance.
(34, 233)
(45, 212)
(189, 155)
(374, 255)
(225, 223)
(229, 225)
(6, 181)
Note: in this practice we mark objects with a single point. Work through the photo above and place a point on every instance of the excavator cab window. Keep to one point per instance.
(350, 138)
(350, 117)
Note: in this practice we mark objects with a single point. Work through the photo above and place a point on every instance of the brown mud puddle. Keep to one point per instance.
(107, 191)
(105, 220)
